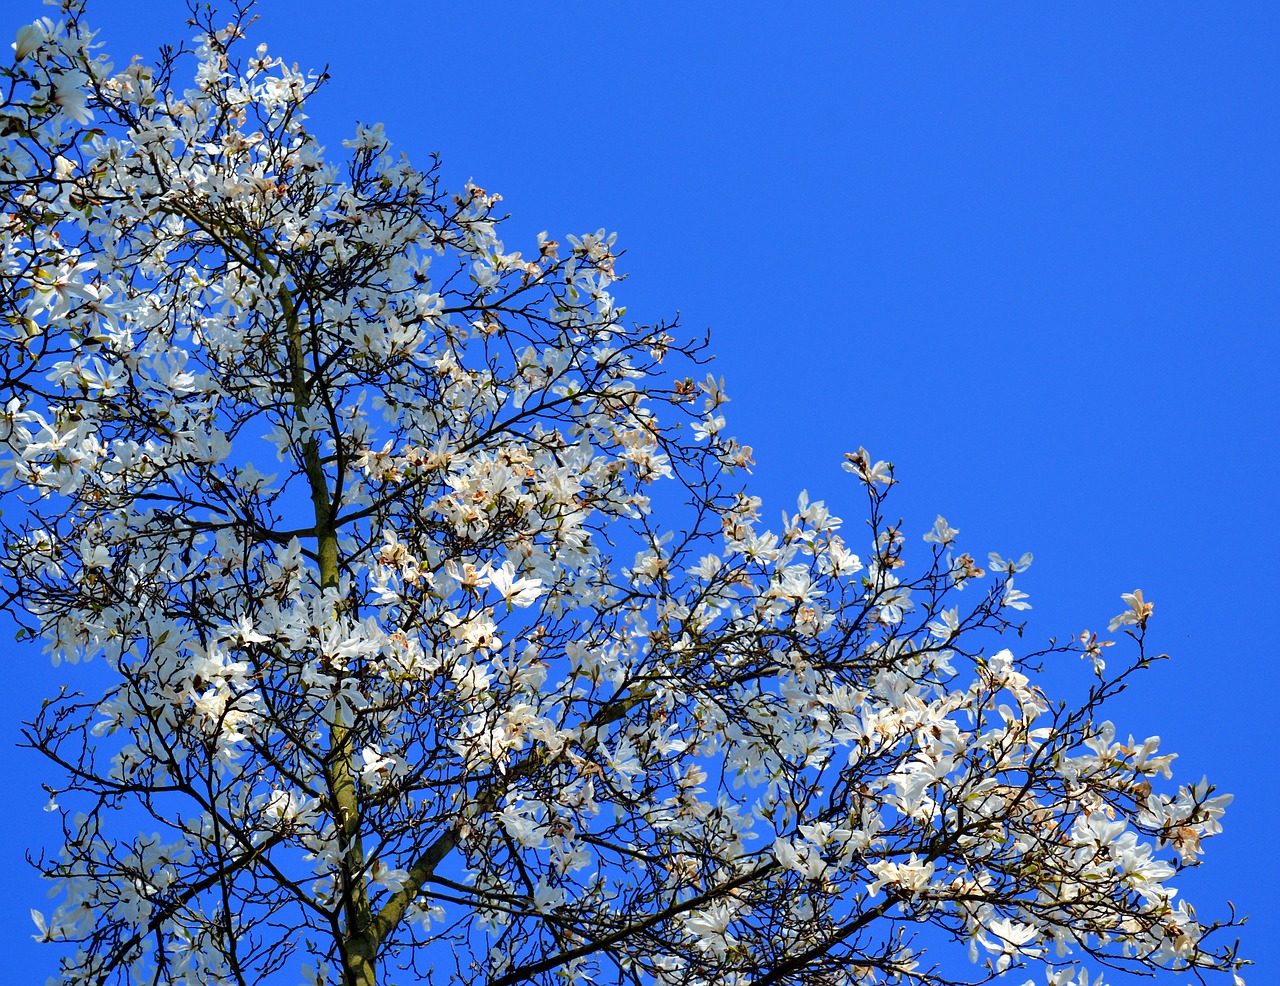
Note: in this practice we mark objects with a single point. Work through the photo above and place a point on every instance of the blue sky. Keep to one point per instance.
(1028, 252)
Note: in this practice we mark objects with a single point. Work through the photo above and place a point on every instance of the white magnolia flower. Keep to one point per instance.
(374, 766)
(71, 95)
(38, 920)
(1136, 615)
(942, 533)
(30, 37)
(1007, 565)
(516, 592)
(1014, 598)
(547, 898)
(710, 926)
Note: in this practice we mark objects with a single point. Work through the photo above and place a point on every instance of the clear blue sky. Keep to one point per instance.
(1028, 252)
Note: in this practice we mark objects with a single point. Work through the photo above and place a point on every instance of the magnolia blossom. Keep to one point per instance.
(1137, 614)
(942, 534)
(30, 38)
(1009, 939)
(515, 592)
(70, 97)
(709, 928)
(912, 875)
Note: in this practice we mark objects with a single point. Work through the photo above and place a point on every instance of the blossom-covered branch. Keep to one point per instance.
(397, 665)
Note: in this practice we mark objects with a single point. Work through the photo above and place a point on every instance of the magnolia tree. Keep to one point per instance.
(396, 672)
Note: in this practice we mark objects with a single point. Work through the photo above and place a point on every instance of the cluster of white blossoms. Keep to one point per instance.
(400, 675)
